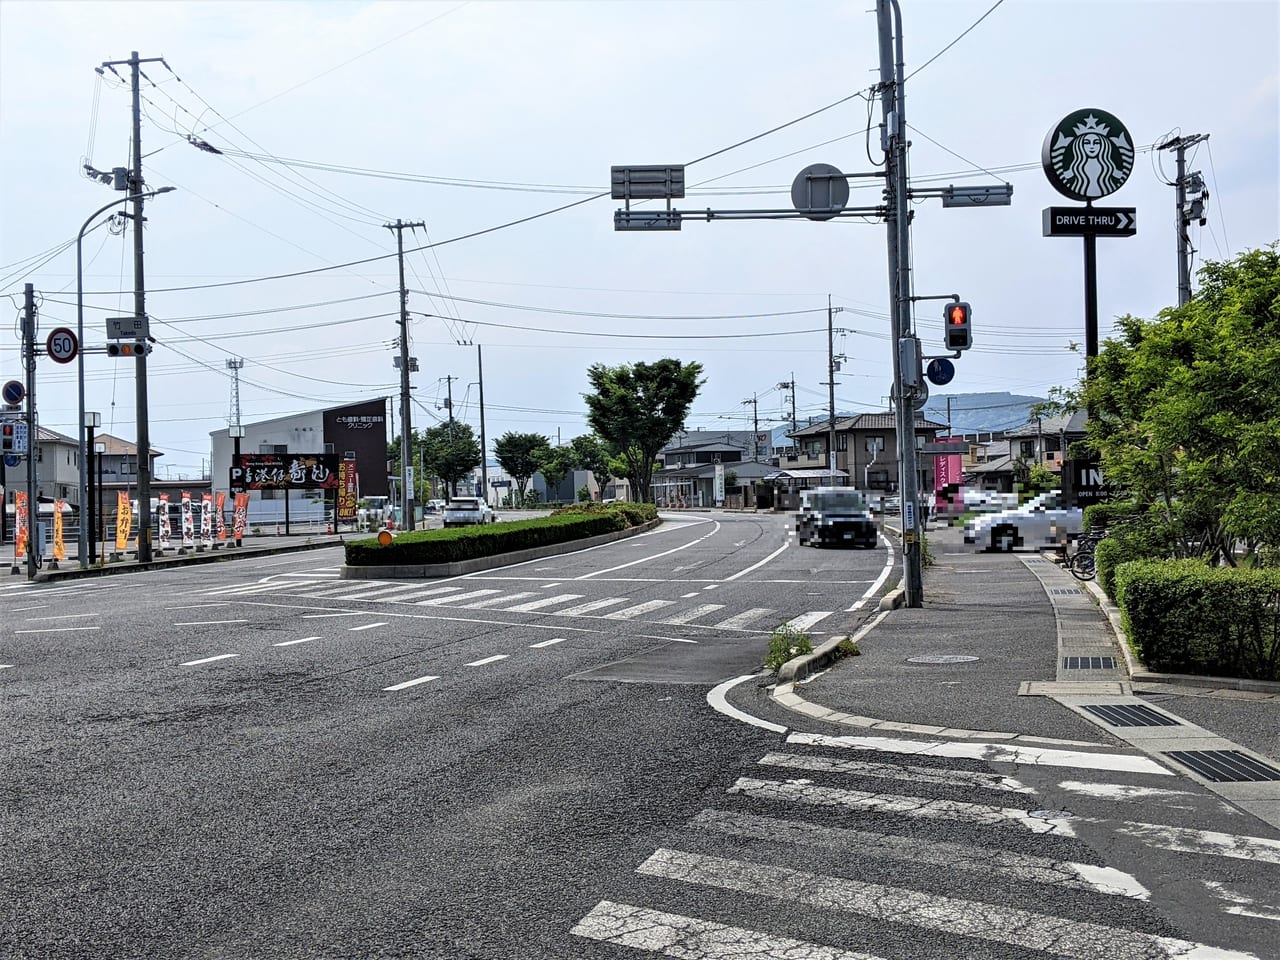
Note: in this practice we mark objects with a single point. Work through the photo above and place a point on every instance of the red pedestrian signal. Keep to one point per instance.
(957, 334)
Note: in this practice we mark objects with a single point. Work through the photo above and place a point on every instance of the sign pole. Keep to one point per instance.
(1090, 298)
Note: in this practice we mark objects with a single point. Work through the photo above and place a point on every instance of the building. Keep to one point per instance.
(866, 450)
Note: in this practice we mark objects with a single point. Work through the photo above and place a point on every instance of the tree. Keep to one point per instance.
(637, 408)
(450, 451)
(591, 453)
(520, 454)
(554, 465)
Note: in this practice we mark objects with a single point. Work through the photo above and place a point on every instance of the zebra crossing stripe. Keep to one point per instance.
(738, 621)
(804, 791)
(414, 597)
(381, 592)
(544, 602)
(695, 613)
(630, 613)
(1026, 929)
(1211, 842)
(991, 752)
(497, 601)
(591, 606)
(674, 935)
(893, 771)
(346, 588)
(807, 620)
(473, 595)
(1020, 867)
(245, 590)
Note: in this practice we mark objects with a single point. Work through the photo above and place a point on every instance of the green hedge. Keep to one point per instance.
(486, 540)
(636, 513)
(1184, 617)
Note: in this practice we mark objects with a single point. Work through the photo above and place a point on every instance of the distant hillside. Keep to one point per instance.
(981, 412)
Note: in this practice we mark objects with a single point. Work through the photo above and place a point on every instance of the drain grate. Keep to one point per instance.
(1065, 591)
(938, 658)
(1088, 663)
(1131, 715)
(1224, 766)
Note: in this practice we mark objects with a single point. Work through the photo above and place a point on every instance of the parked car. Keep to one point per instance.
(835, 515)
(463, 511)
(1044, 521)
(434, 506)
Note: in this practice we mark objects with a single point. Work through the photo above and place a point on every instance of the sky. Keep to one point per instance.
(495, 124)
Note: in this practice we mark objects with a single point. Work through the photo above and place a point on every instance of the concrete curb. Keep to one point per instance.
(215, 556)
(428, 571)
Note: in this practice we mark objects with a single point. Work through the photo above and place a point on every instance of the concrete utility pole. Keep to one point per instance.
(791, 385)
(484, 453)
(755, 427)
(1186, 211)
(831, 389)
(33, 439)
(893, 133)
(406, 433)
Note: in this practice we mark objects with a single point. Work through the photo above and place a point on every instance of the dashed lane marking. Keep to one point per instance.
(546, 643)
(487, 660)
(221, 656)
(207, 623)
(367, 626)
(290, 643)
(410, 683)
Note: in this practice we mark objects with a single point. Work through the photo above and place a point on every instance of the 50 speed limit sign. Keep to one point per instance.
(62, 345)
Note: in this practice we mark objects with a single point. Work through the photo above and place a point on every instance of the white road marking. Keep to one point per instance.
(494, 659)
(991, 752)
(1025, 929)
(807, 620)
(804, 791)
(206, 623)
(1210, 842)
(367, 626)
(246, 590)
(1021, 867)
(410, 683)
(548, 586)
(434, 591)
(547, 643)
(893, 771)
(38, 606)
(308, 575)
(498, 600)
(1241, 904)
(695, 613)
(591, 606)
(6, 666)
(630, 613)
(347, 587)
(716, 699)
(686, 596)
(674, 935)
(711, 586)
(473, 595)
(54, 630)
(1120, 791)
(382, 591)
(201, 606)
(63, 616)
(755, 566)
(879, 581)
(322, 616)
(290, 643)
(738, 621)
(651, 557)
(544, 602)
(221, 656)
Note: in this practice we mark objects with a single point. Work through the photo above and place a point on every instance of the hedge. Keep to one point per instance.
(1184, 617)
(485, 540)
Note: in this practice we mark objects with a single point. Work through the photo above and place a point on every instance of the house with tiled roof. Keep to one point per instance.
(866, 451)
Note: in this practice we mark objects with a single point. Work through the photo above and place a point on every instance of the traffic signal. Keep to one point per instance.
(8, 437)
(118, 349)
(957, 334)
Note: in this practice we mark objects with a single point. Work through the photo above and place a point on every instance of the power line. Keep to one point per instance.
(953, 42)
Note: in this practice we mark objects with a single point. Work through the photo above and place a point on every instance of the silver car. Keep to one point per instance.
(1044, 521)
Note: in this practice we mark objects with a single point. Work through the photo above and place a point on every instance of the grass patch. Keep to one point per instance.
(786, 643)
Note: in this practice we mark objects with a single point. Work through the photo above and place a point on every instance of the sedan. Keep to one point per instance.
(1044, 521)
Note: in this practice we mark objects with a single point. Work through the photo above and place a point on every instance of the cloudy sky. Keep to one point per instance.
(335, 118)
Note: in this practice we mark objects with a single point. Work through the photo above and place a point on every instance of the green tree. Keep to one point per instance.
(1186, 414)
(450, 451)
(555, 464)
(637, 408)
(591, 453)
(520, 455)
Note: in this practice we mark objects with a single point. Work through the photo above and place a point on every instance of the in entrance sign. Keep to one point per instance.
(1090, 221)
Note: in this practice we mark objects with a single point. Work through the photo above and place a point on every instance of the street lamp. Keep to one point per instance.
(83, 543)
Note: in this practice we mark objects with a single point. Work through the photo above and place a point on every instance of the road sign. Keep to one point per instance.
(940, 371)
(128, 328)
(1087, 155)
(820, 191)
(13, 392)
(1000, 195)
(646, 220)
(648, 182)
(12, 459)
(1090, 221)
(62, 345)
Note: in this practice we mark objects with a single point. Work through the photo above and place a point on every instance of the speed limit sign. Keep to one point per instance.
(62, 345)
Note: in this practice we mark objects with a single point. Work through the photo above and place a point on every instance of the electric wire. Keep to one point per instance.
(953, 42)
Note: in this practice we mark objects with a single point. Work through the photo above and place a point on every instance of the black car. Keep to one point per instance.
(837, 516)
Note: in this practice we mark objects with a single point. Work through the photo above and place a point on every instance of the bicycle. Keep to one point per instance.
(1082, 561)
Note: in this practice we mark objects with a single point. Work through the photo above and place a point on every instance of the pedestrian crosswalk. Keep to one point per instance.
(929, 849)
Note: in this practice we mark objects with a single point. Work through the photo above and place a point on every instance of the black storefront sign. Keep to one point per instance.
(284, 471)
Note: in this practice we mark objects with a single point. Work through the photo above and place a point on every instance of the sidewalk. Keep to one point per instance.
(1011, 648)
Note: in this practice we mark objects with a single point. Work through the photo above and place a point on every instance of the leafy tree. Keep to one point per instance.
(554, 465)
(637, 409)
(520, 455)
(591, 453)
(450, 451)
(1186, 414)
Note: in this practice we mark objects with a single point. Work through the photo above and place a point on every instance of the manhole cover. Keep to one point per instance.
(1051, 815)
(941, 658)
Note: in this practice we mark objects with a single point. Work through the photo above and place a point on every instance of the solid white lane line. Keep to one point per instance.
(893, 771)
(628, 613)
(473, 595)
(221, 656)
(547, 643)
(879, 581)
(38, 606)
(756, 566)
(674, 935)
(494, 659)
(544, 602)
(206, 623)
(807, 620)
(991, 752)
(793, 792)
(1021, 867)
(592, 605)
(695, 613)
(652, 557)
(738, 621)
(1068, 939)
(55, 630)
(499, 600)
(290, 643)
(63, 616)
(367, 626)
(717, 700)
(410, 683)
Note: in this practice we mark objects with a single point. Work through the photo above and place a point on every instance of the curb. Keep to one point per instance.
(798, 668)
(233, 553)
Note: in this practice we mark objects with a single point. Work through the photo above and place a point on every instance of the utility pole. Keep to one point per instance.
(33, 439)
(791, 385)
(484, 454)
(1186, 212)
(755, 427)
(831, 390)
(406, 433)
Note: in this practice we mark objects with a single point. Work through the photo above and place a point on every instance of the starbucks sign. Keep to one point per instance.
(1088, 155)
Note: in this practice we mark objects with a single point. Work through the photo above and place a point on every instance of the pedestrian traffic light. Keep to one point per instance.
(139, 349)
(8, 437)
(957, 334)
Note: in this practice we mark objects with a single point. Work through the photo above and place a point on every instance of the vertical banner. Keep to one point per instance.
(206, 519)
(948, 472)
(124, 519)
(20, 524)
(240, 517)
(347, 490)
(59, 547)
(219, 517)
(162, 511)
(188, 522)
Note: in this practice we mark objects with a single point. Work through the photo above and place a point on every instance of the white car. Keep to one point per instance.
(1041, 522)
(461, 511)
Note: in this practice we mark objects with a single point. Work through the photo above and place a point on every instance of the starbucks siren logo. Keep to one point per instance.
(1087, 155)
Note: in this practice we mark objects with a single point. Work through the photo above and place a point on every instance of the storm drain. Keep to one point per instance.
(1130, 715)
(1088, 663)
(939, 658)
(1224, 766)
(1064, 591)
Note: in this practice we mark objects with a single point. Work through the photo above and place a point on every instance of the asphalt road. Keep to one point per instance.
(258, 759)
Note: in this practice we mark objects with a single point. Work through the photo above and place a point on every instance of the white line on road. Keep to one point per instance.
(55, 630)
(201, 606)
(414, 597)
(473, 595)
(547, 643)
(290, 643)
(64, 616)
(629, 613)
(498, 600)
(206, 623)
(879, 581)
(494, 659)
(655, 556)
(695, 613)
(410, 683)
(894, 771)
(717, 701)
(6, 666)
(38, 606)
(686, 596)
(381, 592)
(807, 620)
(368, 626)
(533, 605)
(755, 566)
(740, 620)
(221, 656)
(548, 586)
(321, 616)
(591, 606)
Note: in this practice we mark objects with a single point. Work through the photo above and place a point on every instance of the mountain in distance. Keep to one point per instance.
(981, 412)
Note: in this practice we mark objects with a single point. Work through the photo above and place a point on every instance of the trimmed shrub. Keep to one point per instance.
(1184, 617)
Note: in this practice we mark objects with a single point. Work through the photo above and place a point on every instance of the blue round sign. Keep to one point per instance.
(940, 371)
(13, 392)
(12, 459)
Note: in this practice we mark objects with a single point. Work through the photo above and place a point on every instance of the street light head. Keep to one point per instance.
(166, 189)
